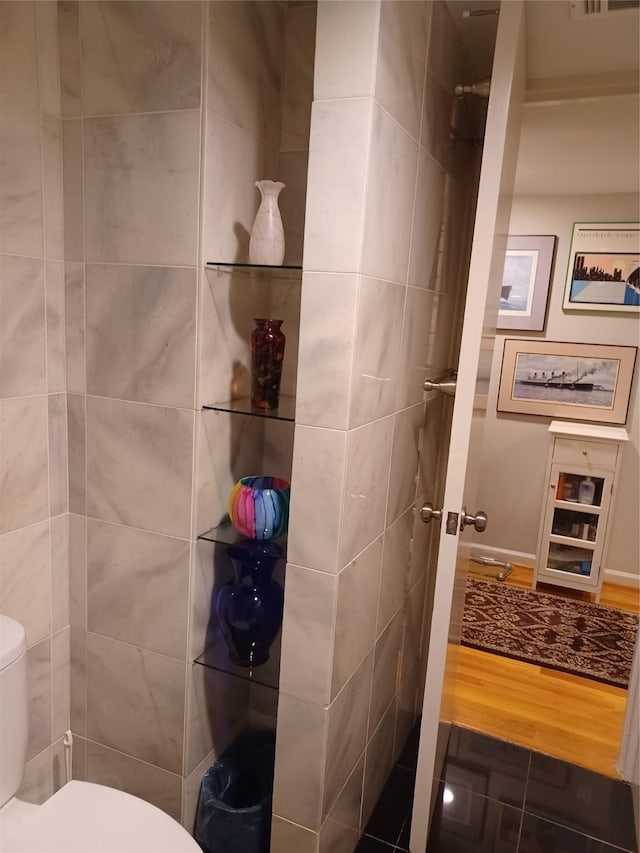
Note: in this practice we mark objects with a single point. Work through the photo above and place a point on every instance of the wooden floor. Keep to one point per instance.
(573, 718)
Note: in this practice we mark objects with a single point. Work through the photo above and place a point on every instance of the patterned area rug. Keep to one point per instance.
(562, 633)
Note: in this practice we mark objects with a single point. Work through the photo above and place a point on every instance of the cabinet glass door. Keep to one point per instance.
(575, 524)
(571, 559)
(579, 488)
(573, 533)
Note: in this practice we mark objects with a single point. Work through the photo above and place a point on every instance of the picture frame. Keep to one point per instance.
(584, 382)
(603, 271)
(528, 268)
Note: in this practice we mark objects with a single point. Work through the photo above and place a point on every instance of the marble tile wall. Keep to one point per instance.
(149, 157)
(131, 146)
(259, 90)
(34, 506)
(245, 43)
(161, 147)
(296, 99)
(378, 305)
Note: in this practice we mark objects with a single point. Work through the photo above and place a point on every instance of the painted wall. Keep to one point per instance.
(34, 575)
(515, 446)
(386, 192)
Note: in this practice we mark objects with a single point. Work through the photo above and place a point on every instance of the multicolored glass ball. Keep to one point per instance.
(259, 507)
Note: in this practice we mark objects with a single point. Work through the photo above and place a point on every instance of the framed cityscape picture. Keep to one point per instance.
(603, 273)
(525, 282)
(583, 382)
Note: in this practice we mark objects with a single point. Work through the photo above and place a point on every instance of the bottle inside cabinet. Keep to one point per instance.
(573, 487)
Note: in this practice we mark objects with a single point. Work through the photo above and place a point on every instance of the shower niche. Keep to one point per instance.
(256, 126)
(238, 439)
(260, 67)
(235, 693)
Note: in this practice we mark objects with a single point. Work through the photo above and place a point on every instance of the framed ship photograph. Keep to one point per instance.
(585, 382)
(603, 273)
(527, 273)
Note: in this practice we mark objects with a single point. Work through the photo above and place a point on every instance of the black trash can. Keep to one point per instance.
(234, 808)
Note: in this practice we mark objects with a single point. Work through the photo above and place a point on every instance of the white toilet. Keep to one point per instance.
(81, 817)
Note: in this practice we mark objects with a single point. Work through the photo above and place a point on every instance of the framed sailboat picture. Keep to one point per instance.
(525, 282)
(604, 268)
(586, 382)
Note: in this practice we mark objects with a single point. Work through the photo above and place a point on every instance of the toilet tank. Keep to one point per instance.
(13, 707)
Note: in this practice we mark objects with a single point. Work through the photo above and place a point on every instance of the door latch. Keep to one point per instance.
(452, 523)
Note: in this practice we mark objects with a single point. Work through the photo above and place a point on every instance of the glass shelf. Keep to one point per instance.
(574, 506)
(286, 411)
(216, 656)
(286, 271)
(226, 534)
(577, 541)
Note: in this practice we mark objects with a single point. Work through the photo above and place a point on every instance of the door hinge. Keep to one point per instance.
(452, 523)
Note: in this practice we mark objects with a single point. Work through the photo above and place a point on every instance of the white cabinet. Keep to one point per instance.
(582, 469)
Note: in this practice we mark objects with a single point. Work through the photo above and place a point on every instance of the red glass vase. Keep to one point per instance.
(267, 352)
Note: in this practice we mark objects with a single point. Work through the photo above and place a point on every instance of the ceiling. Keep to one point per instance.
(557, 45)
(580, 130)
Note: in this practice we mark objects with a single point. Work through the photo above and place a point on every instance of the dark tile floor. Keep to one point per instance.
(495, 797)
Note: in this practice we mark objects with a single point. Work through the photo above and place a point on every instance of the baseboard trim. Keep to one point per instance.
(504, 554)
(622, 578)
(523, 559)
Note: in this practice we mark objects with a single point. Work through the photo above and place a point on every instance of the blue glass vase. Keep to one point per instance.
(250, 606)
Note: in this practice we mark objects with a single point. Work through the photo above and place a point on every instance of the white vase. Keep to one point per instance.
(266, 245)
